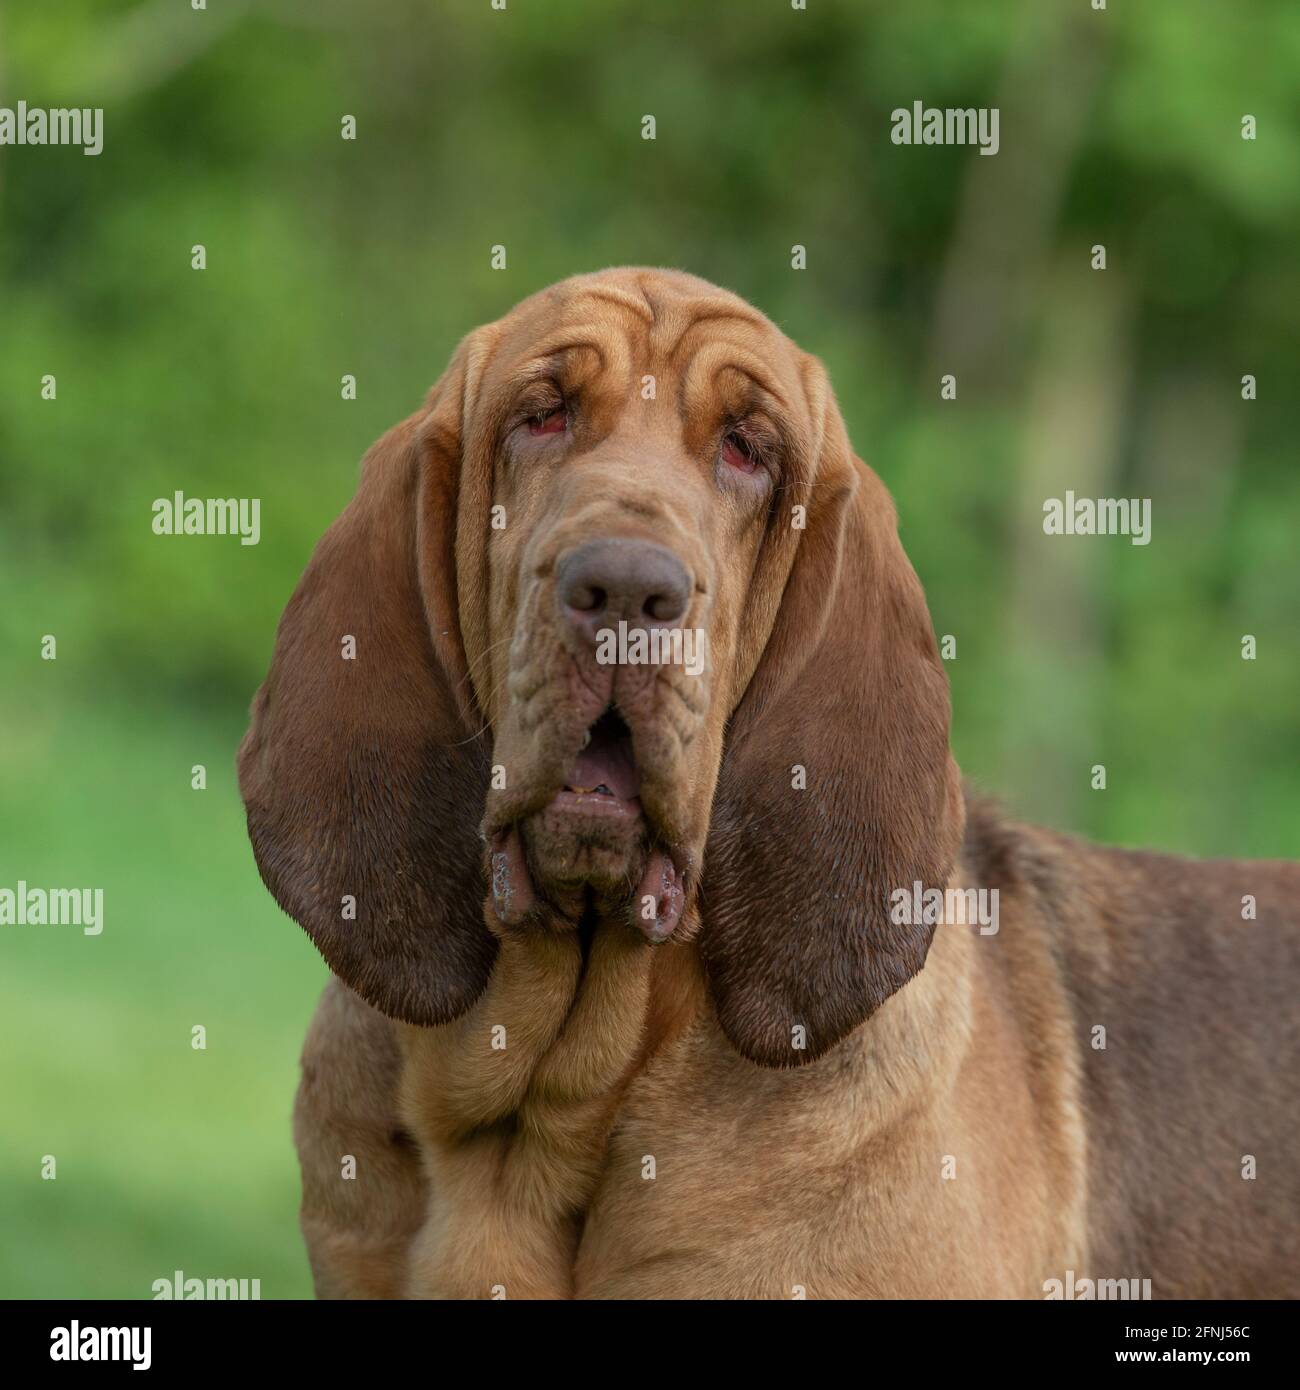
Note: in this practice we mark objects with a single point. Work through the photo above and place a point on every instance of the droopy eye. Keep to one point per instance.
(738, 453)
(550, 421)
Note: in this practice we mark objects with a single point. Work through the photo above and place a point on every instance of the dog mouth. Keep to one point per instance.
(604, 779)
(592, 844)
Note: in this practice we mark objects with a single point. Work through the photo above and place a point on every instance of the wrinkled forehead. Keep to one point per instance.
(625, 325)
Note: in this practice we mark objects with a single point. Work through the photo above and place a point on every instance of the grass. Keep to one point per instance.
(168, 1157)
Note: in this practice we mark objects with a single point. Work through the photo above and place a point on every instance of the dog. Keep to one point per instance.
(623, 1003)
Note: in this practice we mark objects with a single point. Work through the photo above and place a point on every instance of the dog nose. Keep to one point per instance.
(603, 581)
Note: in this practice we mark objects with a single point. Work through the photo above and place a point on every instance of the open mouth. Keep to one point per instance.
(594, 837)
(604, 779)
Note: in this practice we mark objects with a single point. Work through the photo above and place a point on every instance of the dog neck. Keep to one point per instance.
(512, 1102)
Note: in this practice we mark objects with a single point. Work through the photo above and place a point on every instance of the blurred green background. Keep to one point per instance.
(324, 257)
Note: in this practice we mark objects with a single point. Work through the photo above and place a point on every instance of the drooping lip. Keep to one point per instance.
(602, 785)
(655, 906)
(604, 806)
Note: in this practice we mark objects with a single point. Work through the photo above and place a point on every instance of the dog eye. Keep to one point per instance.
(550, 421)
(738, 452)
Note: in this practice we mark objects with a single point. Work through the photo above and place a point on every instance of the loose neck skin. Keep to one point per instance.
(512, 1103)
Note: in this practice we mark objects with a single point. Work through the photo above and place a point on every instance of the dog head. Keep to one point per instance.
(617, 627)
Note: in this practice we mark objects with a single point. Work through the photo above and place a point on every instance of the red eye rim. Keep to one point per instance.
(738, 453)
(550, 422)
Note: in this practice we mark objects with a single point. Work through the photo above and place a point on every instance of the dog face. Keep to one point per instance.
(634, 432)
(634, 640)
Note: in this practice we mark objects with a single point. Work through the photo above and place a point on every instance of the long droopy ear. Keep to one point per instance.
(363, 773)
(837, 787)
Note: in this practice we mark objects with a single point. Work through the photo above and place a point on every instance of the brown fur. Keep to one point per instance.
(779, 1101)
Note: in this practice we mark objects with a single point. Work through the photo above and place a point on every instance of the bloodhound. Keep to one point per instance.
(604, 757)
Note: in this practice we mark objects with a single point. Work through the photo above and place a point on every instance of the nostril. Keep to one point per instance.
(586, 598)
(664, 608)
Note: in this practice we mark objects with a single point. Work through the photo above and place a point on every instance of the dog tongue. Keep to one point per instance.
(606, 761)
(657, 907)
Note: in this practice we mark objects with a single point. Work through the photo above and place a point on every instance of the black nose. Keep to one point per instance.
(603, 581)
